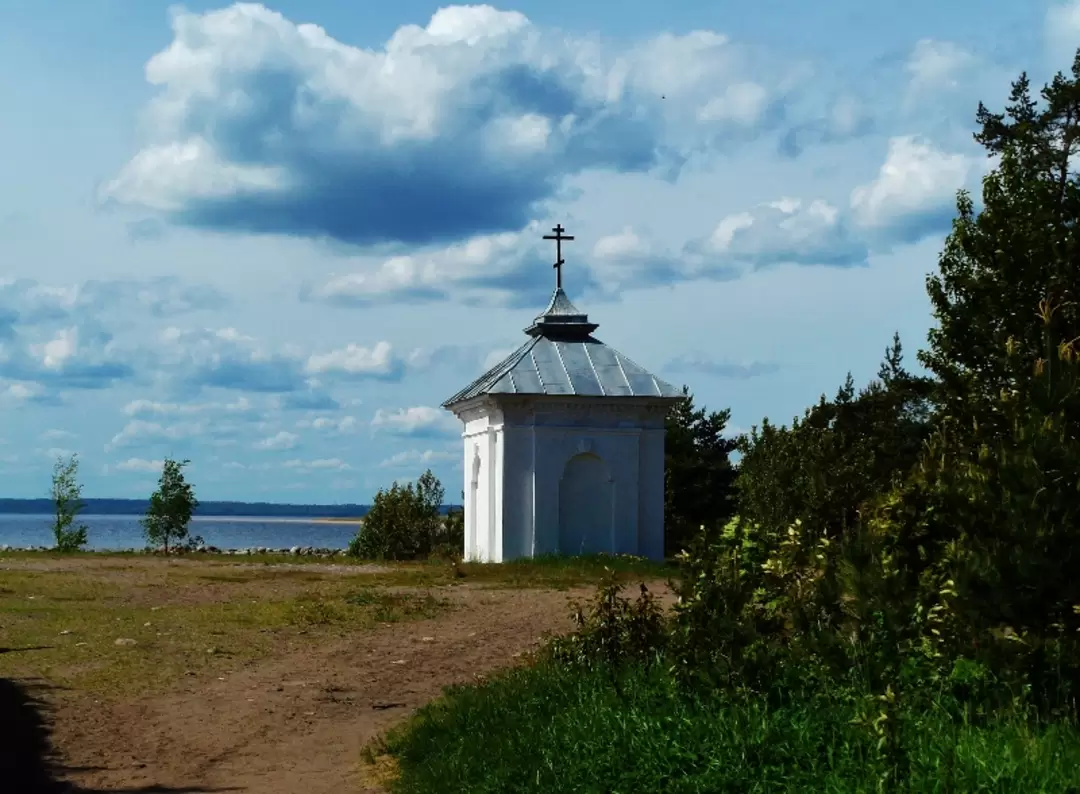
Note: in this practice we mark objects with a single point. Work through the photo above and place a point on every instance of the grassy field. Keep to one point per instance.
(125, 626)
(97, 634)
(544, 571)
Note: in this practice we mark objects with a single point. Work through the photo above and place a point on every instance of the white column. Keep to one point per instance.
(472, 483)
(494, 545)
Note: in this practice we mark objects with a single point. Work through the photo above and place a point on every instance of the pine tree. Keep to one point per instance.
(1020, 249)
(698, 474)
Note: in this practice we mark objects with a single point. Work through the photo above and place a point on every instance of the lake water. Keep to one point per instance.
(225, 532)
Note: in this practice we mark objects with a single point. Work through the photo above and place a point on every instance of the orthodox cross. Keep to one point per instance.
(558, 237)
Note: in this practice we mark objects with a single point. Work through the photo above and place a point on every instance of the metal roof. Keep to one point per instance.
(563, 358)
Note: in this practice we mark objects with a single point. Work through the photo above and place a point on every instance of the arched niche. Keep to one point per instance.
(586, 506)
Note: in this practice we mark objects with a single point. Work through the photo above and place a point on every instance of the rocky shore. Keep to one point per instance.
(294, 551)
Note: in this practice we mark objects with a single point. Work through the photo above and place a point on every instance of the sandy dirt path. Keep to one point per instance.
(296, 723)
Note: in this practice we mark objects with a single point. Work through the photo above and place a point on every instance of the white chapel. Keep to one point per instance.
(564, 445)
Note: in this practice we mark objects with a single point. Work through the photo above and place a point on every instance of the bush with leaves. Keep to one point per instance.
(613, 630)
(452, 542)
(794, 587)
(170, 510)
(403, 522)
(996, 538)
(66, 495)
(958, 571)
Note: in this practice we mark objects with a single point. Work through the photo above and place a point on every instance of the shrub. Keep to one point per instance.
(612, 629)
(452, 543)
(403, 522)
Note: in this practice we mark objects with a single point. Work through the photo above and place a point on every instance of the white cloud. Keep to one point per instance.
(353, 359)
(56, 434)
(80, 356)
(140, 431)
(484, 269)
(936, 65)
(319, 464)
(226, 358)
(280, 440)
(743, 103)
(58, 452)
(328, 424)
(59, 349)
(34, 302)
(144, 408)
(786, 231)
(414, 458)
(710, 83)
(166, 176)
(846, 117)
(138, 465)
(21, 391)
(501, 270)
(419, 420)
(627, 259)
(260, 124)
(915, 188)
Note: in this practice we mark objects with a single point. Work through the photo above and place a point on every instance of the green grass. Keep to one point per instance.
(211, 613)
(559, 572)
(63, 625)
(549, 729)
(549, 572)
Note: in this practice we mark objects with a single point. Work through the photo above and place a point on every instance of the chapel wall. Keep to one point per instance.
(650, 526)
(482, 479)
(517, 513)
(617, 448)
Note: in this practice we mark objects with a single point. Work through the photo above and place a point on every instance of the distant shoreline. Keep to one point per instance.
(274, 519)
(223, 510)
(215, 519)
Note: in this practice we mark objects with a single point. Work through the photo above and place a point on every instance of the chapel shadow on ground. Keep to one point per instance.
(28, 763)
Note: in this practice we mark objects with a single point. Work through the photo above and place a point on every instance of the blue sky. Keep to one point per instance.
(272, 239)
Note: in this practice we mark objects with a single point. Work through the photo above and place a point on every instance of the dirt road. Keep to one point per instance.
(295, 722)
